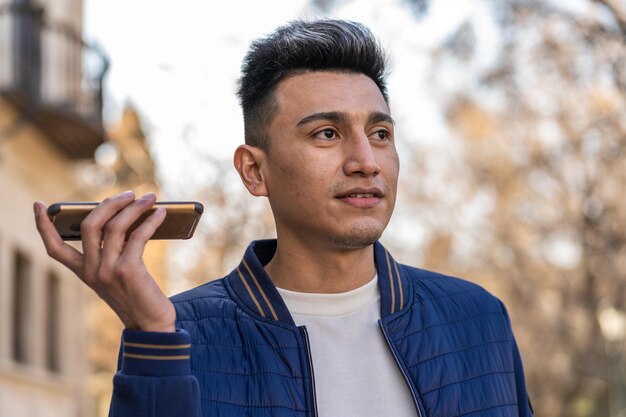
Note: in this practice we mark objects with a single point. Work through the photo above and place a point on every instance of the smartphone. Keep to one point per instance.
(180, 222)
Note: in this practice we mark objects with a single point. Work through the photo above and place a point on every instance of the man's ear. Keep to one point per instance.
(249, 161)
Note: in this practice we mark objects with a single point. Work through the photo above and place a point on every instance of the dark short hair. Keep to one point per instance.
(302, 46)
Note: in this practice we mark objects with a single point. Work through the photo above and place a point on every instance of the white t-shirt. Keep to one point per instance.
(355, 372)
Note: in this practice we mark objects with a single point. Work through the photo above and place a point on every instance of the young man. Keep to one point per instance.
(322, 320)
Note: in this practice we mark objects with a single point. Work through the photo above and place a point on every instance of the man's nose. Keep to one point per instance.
(360, 157)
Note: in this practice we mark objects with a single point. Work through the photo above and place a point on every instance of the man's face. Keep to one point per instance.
(332, 166)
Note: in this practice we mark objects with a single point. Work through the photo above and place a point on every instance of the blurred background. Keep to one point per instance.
(511, 129)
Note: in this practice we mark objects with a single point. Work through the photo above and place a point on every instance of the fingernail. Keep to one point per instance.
(147, 196)
(36, 209)
(127, 193)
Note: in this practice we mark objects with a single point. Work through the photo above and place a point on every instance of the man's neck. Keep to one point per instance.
(297, 266)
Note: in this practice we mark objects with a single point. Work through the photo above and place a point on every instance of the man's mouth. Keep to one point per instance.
(370, 192)
(361, 197)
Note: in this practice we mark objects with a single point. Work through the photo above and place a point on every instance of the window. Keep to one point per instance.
(21, 307)
(53, 300)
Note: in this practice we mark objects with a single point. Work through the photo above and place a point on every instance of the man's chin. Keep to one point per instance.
(358, 238)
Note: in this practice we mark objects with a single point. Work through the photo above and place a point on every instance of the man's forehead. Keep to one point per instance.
(308, 93)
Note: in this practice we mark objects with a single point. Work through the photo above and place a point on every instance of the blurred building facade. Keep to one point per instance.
(58, 344)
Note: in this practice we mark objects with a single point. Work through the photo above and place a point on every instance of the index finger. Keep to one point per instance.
(55, 246)
(91, 229)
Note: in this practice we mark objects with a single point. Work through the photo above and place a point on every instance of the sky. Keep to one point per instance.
(178, 63)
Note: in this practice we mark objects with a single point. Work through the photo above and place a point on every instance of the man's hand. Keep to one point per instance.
(112, 267)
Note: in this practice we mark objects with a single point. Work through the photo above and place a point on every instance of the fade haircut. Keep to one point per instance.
(298, 47)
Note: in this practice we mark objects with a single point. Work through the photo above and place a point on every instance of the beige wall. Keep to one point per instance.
(69, 12)
(88, 331)
(30, 169)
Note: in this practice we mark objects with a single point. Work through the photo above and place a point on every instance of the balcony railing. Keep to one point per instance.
(53, 77)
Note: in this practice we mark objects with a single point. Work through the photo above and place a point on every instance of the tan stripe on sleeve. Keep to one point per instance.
(156, 357)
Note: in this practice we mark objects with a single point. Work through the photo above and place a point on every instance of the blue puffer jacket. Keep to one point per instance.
(237, 351)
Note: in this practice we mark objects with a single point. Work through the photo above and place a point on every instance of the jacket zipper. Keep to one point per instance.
(310, 360)
(404, 374)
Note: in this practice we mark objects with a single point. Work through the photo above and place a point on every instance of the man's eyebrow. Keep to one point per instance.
(331, 116)
(341, 117)
(377, 117)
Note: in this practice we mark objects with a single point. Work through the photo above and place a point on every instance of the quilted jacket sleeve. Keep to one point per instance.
(154, 377)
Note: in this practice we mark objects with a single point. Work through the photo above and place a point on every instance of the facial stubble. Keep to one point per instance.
(357, 238)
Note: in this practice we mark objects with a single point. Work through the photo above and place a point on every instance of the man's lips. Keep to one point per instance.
(361, 192)
(361, 197)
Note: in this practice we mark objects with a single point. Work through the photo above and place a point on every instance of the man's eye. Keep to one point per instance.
(381, 135)
(326, 134)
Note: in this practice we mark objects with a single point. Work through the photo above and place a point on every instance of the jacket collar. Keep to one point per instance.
(254, 288)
